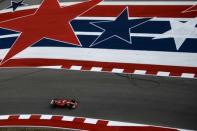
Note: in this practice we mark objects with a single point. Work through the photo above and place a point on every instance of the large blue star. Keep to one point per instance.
(118, 28)
(14, 5)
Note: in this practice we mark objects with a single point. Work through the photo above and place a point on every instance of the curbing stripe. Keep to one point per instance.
(140, 72)
(96, 69)
(116, 70)
(102, 122)
(188, 75)
(162, 73)
(90, 121)
(24, 117)
(46, 117)
(75, 67)
(127, 71)
(115, 123)
(65, 122)
(4, 117)
(124, 71)
(68, 118)
(79, 120)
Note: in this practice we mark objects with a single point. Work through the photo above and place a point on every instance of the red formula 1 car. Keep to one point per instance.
(69, 103)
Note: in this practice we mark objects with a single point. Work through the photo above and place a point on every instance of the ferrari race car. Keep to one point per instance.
(69, 103)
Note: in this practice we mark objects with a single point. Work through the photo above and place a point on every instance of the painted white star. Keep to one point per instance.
(180, 31)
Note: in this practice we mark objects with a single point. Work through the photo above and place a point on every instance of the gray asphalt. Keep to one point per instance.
(147, 100)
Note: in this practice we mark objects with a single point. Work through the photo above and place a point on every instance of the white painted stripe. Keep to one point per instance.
(51, 67)
(140, 72)
(9, 36)
(89, 33)
(116, 123)
(99, 33)
(161, 73)
(4, 117)
(96, 69)
(107, 55)
(46, 117)
(116, 70)
(131, 18)
(192, 36)
(24, 116)
(90, 121)
(187, 75)
(76, 67)
(95, 18)
(68, 118)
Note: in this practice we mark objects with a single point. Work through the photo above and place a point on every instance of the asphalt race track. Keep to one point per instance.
(147, 100)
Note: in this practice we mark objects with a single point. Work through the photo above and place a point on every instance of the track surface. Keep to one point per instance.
(146, 100)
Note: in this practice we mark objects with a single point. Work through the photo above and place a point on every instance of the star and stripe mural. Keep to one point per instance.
(145, 37)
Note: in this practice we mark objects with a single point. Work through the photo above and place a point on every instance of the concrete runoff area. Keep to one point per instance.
(139, 99)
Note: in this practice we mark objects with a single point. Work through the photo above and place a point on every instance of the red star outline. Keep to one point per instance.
(46, 12)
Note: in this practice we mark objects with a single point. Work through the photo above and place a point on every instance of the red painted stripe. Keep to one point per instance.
(68, 66)
(142, 11)
(151, 72)
(79, 120)
(11, 15)
(35, 117)
(107, 66)
(15, 117)
(107, 69)
(86, 68)
(57, 118)
(195, 75)
(173, 11)
(102, 122)
(128, 70)
(175, 74)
